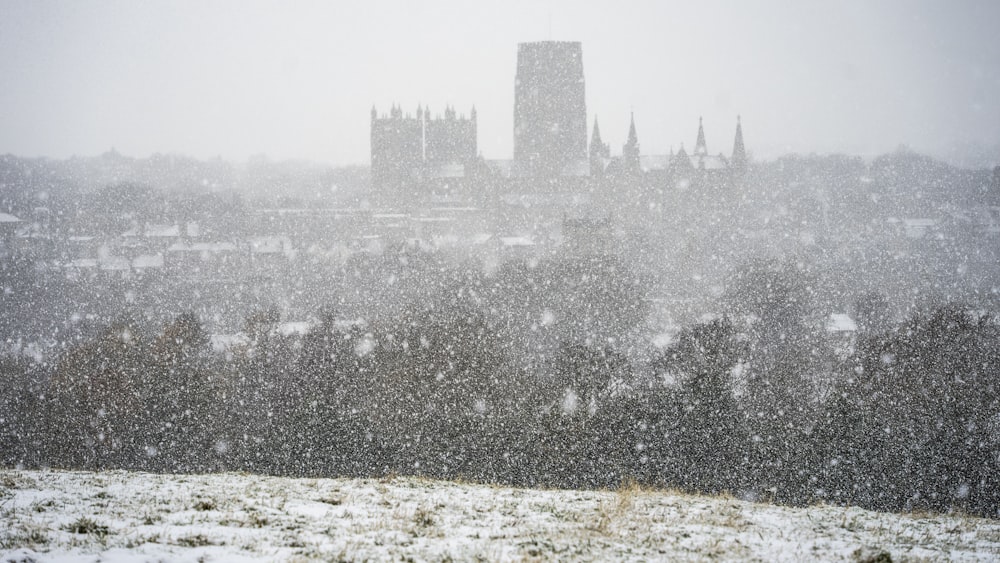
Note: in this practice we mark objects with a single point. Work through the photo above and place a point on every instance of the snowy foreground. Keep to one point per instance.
(120, 516)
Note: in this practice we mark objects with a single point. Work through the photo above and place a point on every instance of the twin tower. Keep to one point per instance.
(550, 126)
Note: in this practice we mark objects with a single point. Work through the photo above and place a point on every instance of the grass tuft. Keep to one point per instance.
(423, 518)
(204, 505)
(84, 525)
(194, 540)
(31, 537)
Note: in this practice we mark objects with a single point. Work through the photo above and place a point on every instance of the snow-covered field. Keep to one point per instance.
(120, 516)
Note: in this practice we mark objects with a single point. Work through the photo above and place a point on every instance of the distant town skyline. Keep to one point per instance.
(298, 81)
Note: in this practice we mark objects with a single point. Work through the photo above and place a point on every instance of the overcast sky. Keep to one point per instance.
(297, 79)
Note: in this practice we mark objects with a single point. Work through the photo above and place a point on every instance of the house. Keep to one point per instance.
(8, 225)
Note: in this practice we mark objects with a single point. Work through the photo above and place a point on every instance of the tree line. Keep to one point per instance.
(537, 376)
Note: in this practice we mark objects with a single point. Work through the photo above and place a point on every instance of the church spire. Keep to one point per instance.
(700, 148)
(739, 160)
(595, 140)
(599, 150)
(630, 152)
(633, 139)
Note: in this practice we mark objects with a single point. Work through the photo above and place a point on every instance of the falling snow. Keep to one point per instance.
(568, 352)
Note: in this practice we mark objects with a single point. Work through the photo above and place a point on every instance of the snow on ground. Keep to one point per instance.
(121, 516)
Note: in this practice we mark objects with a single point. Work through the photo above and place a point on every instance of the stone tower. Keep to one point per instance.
(397, 147)
(550, 111)
(404, 149)
(450, 139)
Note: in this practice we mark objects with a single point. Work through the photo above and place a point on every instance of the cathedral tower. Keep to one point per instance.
(405, 149)
(397, 148)
(550, 112)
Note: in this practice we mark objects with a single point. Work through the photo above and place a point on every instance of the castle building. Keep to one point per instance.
(550, 111)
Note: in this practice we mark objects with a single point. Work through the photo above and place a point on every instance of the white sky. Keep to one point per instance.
(297, 79)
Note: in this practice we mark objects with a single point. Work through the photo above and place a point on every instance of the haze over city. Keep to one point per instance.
(236, 79)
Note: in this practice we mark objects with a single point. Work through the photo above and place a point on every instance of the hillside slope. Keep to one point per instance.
(120, 516)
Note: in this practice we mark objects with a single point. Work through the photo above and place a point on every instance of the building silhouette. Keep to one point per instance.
(600, 152)
(406, 150)
(397, 146)
(738, 162)
(550, 111)
(630, 151)
(449, 139)
(422, 157)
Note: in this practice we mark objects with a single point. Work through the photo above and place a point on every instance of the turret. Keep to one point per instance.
(599, 151)
(680, 160)
(700, 148)
(739, 160)
(597, 145)
(630, 151)
(633, 139)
